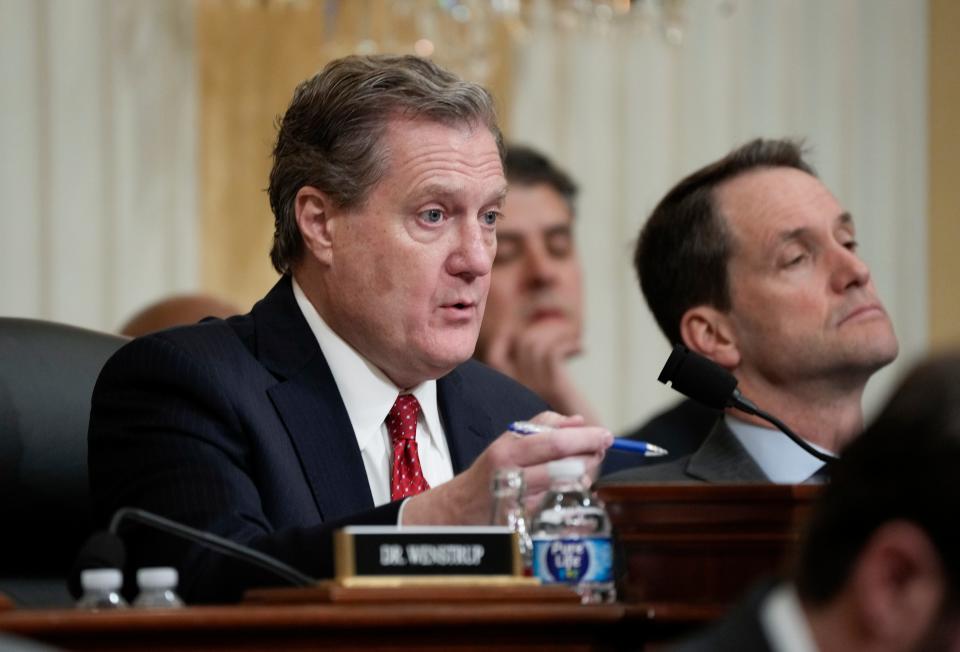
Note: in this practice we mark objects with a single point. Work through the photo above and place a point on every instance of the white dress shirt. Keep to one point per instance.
(776, 454)
(368, 396)
(784, 622)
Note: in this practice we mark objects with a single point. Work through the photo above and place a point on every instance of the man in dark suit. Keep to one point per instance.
(751, 262)
(880, 565)
(346, 395)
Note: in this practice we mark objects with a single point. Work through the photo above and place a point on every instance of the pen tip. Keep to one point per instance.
(656, 451)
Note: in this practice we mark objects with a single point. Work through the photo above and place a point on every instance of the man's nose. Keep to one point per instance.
(540, 267)
(849, 270)
(474, 251)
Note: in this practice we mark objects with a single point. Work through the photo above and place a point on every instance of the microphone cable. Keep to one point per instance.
(706, 382)
(212, 541)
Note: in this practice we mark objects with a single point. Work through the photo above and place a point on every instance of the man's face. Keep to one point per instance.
(410, 268)
(536, 274)
(803, 304)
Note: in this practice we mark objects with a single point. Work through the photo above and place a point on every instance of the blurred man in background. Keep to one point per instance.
(879, 569)
(534, 318)
(177, 310)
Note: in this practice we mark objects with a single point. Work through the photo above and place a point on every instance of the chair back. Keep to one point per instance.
(47, 374)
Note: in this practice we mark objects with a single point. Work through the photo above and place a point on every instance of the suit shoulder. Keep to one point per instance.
(739, 629)
(680, 429)
(672, 471)
(210, 334)
(213, 344)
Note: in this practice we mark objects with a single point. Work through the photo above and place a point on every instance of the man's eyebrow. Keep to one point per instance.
(435, 190)
(793, 234)
(448, 191)
(845, 219)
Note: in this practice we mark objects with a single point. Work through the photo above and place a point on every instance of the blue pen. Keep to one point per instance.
(630, 445)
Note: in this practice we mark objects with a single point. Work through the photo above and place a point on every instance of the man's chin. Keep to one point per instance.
(439, 361)
(884, 347)
(872, 356)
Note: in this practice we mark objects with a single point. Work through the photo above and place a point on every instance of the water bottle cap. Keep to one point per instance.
(571, 467)
(101, 579)
(159, 577)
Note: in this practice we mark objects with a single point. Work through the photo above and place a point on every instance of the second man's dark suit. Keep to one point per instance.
(738, 631)
(680, 430)
(721, 458)
(237, 427)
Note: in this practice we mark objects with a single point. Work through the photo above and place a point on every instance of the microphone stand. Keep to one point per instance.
(221, 545)
(706, 382)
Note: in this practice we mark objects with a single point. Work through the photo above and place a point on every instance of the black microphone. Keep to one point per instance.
(106, 549)
(708, 383)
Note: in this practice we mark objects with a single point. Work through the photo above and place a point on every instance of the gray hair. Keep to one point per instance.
(331, 134)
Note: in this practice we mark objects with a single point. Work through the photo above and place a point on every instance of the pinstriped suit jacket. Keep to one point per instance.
(237, 427)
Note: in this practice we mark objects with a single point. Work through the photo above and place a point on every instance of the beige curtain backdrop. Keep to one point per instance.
(98, 142)
(135, 141)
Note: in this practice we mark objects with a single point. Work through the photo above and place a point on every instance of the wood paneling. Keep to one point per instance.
(944, 162)
(251, 56)
(698, 544)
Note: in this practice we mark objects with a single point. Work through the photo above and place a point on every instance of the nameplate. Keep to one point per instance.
(432, 555)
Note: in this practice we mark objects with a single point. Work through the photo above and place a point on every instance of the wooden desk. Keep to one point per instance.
(504, 627)
(703, 545)
(689, 551)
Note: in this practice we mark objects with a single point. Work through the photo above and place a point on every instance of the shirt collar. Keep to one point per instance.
(784, 622)
(781, 460)
(366, 391)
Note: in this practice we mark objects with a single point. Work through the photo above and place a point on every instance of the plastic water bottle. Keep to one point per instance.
(101, 589)
(157, 588)
(571, 536)
(508, 488)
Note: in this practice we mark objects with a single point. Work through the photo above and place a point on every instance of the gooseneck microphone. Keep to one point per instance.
(706, 382)
(212, 541)
(106, 549)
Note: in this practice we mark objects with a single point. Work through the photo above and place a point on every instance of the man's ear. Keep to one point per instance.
(708, 331)
(897, 585)
(313, 210)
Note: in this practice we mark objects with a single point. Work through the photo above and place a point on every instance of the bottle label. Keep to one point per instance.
(571, 561)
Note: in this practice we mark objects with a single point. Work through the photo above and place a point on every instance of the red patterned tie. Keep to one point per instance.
(406, 478)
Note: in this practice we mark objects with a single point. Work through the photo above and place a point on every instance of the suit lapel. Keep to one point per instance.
(722, 459)
(313, 412)
(309, 404)
(468, 427)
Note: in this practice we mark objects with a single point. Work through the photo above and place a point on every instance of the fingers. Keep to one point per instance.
(466, 499)
(567, 441)
(540, 353)
(556, 420)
